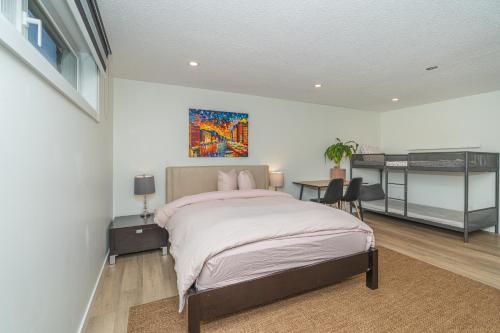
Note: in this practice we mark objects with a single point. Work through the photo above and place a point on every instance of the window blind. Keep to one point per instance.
(8, 8)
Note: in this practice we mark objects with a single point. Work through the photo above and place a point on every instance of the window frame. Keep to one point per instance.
(61, 35)
(12, 36)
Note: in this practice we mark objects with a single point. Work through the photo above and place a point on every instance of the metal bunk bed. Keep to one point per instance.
(465, 162)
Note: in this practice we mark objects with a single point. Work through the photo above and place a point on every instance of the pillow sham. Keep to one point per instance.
(227, 181)
(246, 181)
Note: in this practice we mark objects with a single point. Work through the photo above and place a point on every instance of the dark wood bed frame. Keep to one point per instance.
(213, 303)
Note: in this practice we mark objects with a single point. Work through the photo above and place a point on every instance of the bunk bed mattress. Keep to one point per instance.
(458, 164)
(449, 217)
(367, 163)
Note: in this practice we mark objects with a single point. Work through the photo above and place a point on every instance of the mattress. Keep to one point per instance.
(375, 163)
(263, 258)
(457, 163)
(449, 217)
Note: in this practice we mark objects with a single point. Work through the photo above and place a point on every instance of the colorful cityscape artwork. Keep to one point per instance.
(217, 134)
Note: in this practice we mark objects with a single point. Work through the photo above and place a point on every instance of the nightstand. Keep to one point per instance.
(130, 234)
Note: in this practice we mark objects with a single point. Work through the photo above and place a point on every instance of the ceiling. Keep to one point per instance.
(364, 53)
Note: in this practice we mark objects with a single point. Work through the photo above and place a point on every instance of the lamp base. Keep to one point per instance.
(146, 215)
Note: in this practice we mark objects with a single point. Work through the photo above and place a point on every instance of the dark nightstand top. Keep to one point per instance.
(130, 221)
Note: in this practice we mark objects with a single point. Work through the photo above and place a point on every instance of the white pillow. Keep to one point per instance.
(246, 181)
(227, 181)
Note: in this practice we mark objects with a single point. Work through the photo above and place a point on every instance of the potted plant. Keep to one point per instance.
(336, 153)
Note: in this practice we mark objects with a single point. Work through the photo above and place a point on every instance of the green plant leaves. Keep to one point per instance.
(339, 150)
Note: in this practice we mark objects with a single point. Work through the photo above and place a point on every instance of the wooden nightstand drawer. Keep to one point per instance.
(135, 239)
(129, 234)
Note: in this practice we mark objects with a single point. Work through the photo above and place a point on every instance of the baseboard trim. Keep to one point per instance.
(83, 322)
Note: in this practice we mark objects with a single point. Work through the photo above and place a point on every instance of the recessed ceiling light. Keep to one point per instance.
(431, 68)
(193, 64)
(395, 99)
(318, 85)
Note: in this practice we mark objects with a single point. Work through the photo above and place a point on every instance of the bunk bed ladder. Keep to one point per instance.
(405, 184)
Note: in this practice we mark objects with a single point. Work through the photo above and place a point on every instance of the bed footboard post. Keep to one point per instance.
(194, 314)
(372, 273)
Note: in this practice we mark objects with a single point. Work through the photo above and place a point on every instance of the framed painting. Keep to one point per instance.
(217, 133)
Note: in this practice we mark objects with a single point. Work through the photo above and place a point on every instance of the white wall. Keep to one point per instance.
(56, 195)
(461, 121)
(151, 132)
(467, 121)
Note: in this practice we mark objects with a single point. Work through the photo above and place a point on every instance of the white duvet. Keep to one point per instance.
(202, 225)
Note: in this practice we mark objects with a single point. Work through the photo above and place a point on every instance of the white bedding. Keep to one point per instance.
(203, 225)
(255, 260)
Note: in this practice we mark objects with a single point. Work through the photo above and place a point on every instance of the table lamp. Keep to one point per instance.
(144, 185)
(277, 179)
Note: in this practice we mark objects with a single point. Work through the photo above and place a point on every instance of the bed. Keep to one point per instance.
(233, 249)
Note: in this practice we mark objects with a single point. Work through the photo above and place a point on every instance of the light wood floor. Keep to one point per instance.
(134, 279)
(142, 278)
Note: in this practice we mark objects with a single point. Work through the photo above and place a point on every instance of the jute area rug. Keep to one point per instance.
(412, 297)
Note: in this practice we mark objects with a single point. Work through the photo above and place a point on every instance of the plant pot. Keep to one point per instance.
(337, 173)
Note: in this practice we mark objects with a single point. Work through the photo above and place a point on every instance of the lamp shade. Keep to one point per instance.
(277, 179)
(144, 184)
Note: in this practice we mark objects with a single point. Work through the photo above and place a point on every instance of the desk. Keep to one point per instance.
(315, 184)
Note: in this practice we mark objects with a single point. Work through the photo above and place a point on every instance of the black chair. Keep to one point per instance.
(334, 193)
(351, 196)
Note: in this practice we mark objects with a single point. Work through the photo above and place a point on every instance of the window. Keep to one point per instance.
(46, 38)
(55, 29)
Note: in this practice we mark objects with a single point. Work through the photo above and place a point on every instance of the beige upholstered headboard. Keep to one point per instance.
(188, 180)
